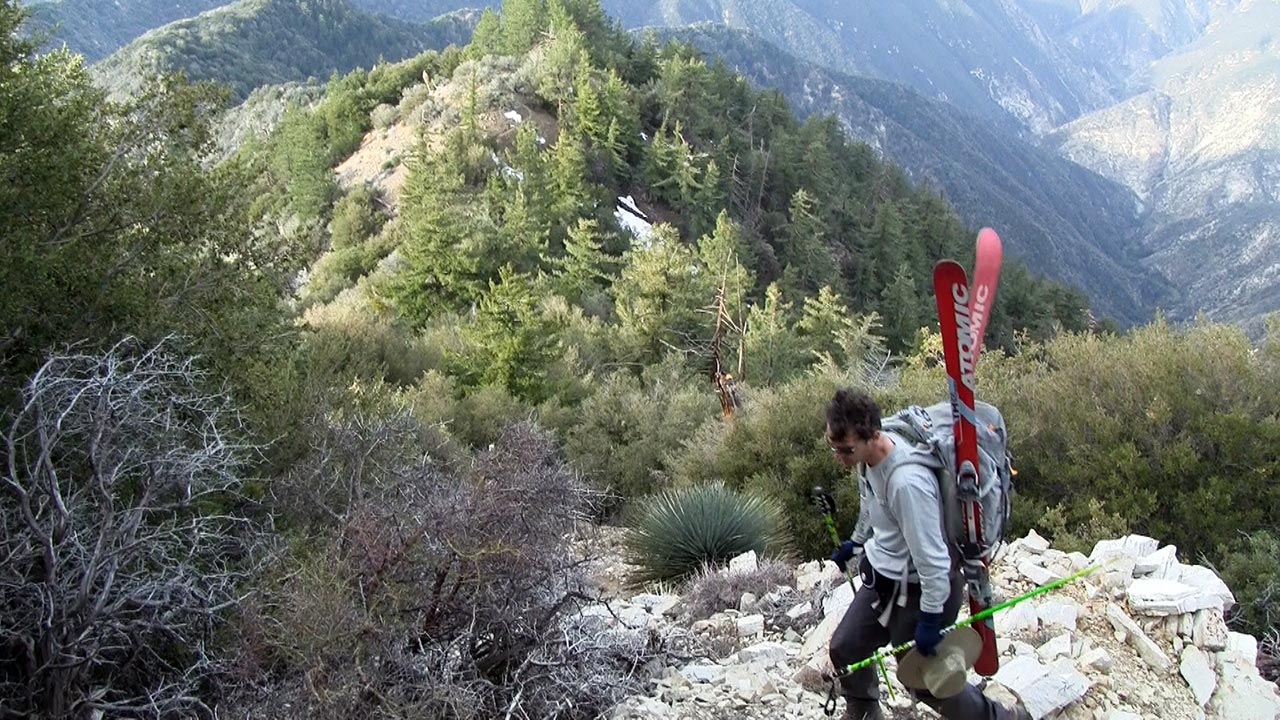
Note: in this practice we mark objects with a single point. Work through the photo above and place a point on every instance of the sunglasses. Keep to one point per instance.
(843, 449)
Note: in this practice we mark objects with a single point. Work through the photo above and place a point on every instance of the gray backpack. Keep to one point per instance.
(930, 431)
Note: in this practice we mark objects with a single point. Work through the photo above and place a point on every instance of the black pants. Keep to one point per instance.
(860, 633)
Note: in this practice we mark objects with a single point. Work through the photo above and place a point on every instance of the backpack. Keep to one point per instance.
(931, 432)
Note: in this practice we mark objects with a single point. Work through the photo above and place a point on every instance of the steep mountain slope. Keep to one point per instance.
(96, 29)
(1062, 219)
(1202, 151)
(1119, 39)
(257, 42)
(987, 57)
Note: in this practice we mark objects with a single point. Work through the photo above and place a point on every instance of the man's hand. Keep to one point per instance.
(847, 551)
(928, 633)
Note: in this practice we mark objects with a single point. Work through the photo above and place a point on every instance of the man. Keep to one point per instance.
(911, 588)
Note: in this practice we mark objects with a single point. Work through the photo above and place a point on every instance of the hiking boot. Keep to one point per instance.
(862, 710)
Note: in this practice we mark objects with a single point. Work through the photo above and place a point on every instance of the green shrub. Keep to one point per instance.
(351, 339)
(355, 218)
(1250, 566)
(383, 116)
(1076, 529)
(774, 447)
(628, 428)
(677, 532)
(475, 419)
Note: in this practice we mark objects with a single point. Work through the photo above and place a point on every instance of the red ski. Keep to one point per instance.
(959, 350)
(986, 270)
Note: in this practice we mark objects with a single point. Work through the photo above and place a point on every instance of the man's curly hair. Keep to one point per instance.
(853, 411)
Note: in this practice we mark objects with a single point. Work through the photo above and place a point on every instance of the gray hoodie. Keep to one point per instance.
(902, 511)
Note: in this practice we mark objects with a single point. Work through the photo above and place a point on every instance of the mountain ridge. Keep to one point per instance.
(991, 181)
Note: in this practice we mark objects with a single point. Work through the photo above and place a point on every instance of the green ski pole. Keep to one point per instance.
(879, 654)
(878, 657)
(826, 504)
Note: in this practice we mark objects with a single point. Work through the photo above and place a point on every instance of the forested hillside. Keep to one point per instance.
(250, 43)
(284, 441)
(1066, 222)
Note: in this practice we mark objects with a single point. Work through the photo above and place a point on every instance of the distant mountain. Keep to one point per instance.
(1119, 39)
(258, 42)
(1202, 152)
(987, 57)
(96, 29)
(1062, 219)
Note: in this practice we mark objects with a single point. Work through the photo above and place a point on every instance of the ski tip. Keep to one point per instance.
(988, 236)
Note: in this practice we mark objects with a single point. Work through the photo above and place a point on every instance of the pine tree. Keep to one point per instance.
(807, 263)
(522, 24)
(774, 352)
(571, 191)
(659, 297)
(588, 106)
(585, 267)
(902, 309)
(727, 257)
(487, 38)
(563, 59)
(509, 344)
(884, 247)
(822, 319)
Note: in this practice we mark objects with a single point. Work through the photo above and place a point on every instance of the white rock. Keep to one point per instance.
(1209, 630)
(651, 708)
(800, 610)
(1058, 613)
(812, 574)
(838, 601)
(744, 563)
(1034, 543)
(747, 602)
(767, 652)
(1078, 560)
(1156, 596)
(815, 644)
(1186, 624)
(1055, 648)
(1199, 674)
(1118, 571)
(1122, 715)
(1097, 659)
(1147, 649)
(1162, 563)
(1208, 583)
(1043, 689)
(1035, 573)
(702, 673)
(1243, 695)
(1134, 546)
(1021, 618)
(749, 682)
(656, 604)
(1243, 646)
(749, 625)
(1023, 648)
(634, 617)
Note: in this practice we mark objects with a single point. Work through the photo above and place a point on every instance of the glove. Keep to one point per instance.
(928, 633)
(846, 552)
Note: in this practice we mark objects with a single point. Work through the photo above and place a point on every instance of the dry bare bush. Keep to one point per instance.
(118, 554)
(715, 589)
(437, 589)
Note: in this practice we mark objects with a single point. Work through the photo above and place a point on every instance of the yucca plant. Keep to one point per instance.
(677, 532)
